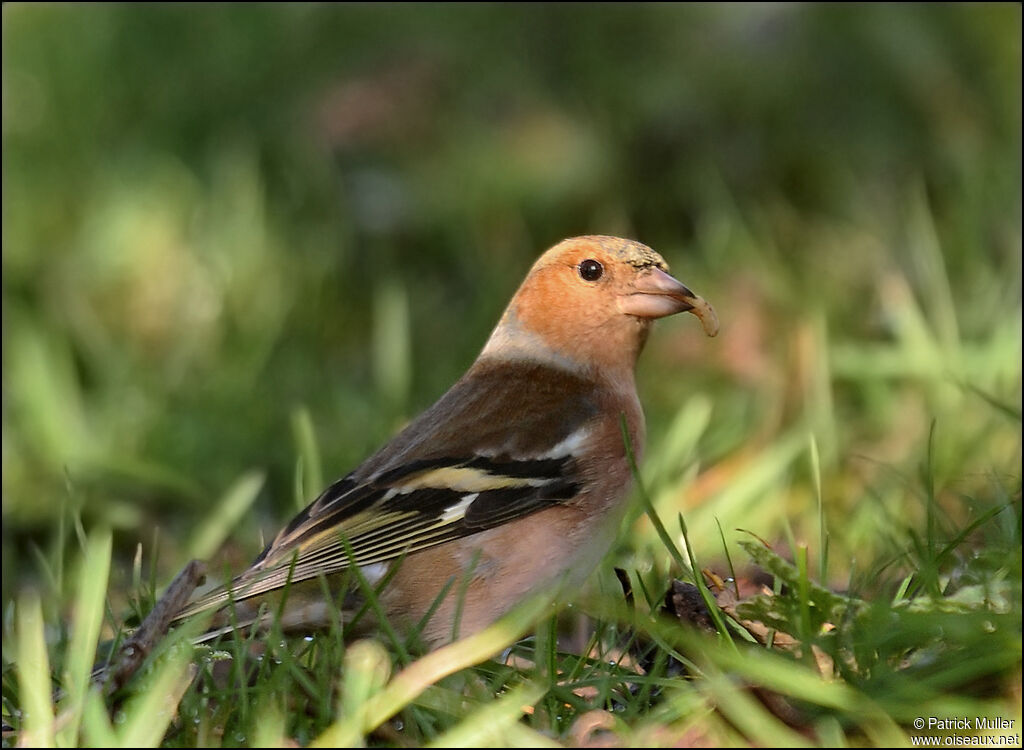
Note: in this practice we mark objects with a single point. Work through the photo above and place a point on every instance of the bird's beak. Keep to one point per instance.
(655, 294)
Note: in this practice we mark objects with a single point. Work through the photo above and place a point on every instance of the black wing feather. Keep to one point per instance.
(391, 515)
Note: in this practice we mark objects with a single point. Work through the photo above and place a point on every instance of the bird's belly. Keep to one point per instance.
(490, 572)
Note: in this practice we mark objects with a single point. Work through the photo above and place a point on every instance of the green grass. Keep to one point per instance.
(936, 635)
(221, 289)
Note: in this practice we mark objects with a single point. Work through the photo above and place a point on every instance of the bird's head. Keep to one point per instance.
(588, 303)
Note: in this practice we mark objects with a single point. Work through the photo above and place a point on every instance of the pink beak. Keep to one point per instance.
(657, 295)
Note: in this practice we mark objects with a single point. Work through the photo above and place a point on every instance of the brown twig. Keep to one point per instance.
(154, 627)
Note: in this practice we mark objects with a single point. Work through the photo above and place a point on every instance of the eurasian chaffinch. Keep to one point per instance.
(516, 478)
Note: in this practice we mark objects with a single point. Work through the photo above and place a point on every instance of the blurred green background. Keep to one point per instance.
(217, 219)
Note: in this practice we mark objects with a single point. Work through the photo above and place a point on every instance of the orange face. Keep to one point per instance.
(596, 296)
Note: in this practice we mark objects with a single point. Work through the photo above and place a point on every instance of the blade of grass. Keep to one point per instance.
(800, 681)
(728, 559)
(698, 579)
(364, 674)
(392, 348)
(742, 498)
(659, 527)
(33, 665)
(748, 715)
(309, 474)
(269, 731)
(372, 599)
(488, 726)
(822, 527)
(96, 728)
(804, 597)
(218, 524)
(149, 712)
(89, 609)
(418, 676)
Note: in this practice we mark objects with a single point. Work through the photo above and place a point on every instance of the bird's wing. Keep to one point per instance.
(418, 503)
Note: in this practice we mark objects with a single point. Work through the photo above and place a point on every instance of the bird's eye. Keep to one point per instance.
(590, 270)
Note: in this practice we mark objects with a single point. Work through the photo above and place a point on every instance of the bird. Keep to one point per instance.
(514, 481)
